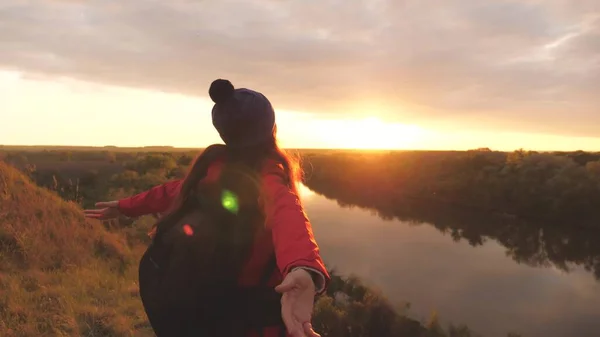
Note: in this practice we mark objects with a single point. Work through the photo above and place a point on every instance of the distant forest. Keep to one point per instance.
(550, 187)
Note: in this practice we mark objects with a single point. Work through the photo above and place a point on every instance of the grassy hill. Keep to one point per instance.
(60, 274)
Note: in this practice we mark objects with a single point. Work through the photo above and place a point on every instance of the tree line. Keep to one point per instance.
(562, 188)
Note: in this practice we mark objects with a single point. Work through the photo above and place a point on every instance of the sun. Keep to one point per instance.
(373, 134)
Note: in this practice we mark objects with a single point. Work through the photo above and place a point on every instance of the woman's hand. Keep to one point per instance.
(297, 303)
(106, 210)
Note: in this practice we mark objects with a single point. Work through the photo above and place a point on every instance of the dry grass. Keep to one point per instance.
(60, 274)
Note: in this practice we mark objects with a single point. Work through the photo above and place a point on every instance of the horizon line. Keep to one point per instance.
(81, 147)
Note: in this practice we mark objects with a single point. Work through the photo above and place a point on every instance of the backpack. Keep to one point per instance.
(188, 284)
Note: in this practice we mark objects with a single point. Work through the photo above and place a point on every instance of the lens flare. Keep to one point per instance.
(188, 230)
(229, 201)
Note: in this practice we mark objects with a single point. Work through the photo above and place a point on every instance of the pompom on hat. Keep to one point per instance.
(243, 117)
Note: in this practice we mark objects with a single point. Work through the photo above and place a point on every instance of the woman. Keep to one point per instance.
(245, 121)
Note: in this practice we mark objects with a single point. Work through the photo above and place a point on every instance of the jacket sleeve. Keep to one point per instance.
(155, 200)
(293, 239)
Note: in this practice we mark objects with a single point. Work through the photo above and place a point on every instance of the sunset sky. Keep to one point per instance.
(398, 74)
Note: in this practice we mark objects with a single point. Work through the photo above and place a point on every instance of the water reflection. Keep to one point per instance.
(535, 244)
(468, 274)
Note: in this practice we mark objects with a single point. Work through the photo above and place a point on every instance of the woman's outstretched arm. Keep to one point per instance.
(155, 200)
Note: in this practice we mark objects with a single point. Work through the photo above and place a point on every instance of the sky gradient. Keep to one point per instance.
(438, 74)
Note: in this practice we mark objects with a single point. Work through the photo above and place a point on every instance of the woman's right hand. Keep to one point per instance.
(105, 210)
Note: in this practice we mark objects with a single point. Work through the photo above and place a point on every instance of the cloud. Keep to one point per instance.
(527, 65)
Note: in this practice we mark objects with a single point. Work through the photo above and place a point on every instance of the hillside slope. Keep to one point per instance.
(60, 274)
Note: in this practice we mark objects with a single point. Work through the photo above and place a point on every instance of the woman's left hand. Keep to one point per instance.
(297, 303)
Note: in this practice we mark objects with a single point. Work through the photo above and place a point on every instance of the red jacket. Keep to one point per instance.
(289, 232)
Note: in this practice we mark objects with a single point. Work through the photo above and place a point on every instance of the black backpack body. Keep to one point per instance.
(189, 285)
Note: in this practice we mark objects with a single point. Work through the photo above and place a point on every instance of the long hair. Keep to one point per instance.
(240, 174)
(253, 157)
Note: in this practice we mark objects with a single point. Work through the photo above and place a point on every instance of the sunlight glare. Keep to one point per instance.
(304, 192)
(371, 133)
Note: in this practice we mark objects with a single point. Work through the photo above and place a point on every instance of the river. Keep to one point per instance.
(482, 287)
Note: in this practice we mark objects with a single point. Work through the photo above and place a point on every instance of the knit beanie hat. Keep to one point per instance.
(243, 117)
